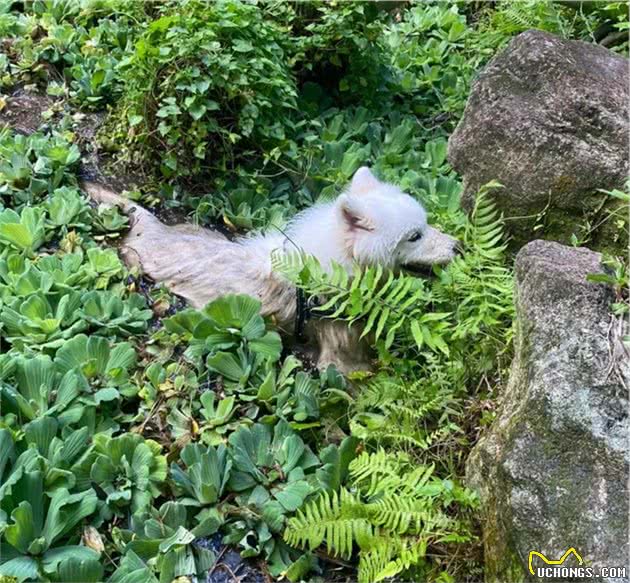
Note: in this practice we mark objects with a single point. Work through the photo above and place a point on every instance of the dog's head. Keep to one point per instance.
(383, 225)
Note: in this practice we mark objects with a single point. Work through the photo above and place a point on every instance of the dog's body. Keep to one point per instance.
(371, 223)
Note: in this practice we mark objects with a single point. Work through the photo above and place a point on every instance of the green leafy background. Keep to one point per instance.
(133, 429)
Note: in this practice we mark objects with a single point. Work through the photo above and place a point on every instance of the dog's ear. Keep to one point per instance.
(353, 216)
(363, 181)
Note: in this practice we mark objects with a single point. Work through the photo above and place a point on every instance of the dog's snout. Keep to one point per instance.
(458, 248)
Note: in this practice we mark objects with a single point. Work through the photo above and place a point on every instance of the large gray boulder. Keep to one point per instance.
(548, 118)
(552, 471)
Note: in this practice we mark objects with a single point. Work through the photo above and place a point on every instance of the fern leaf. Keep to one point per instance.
(335, 519)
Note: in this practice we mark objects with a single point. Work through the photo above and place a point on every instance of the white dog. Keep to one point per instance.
(371, 223)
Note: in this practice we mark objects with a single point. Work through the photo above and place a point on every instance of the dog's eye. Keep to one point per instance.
(415, 237)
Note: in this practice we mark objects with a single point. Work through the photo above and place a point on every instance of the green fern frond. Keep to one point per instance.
(402, 514)
(388, 561)
(479, 285)
(336, 519)
(389, 557)
(379, 391)
(375, 563)
(393, 512)
(390, 305)
(412, 416)
(377, 465)
(379, 473)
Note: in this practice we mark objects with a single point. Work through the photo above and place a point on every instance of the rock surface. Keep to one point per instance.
(552, 471)
(548, 119)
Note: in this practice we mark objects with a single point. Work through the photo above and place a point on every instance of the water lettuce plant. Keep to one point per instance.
(133, 428)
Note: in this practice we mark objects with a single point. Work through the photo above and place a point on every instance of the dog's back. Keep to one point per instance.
(198, 264)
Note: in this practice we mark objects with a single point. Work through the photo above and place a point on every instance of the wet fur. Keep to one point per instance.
(370, 223)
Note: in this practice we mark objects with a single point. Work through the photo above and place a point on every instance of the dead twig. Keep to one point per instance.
(216, 563)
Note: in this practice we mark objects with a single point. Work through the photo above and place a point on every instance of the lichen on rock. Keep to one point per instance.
(548, 119)
(552, 470)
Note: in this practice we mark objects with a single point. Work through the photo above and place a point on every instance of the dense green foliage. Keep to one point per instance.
(128, 438)
(212, 98)
(393, 511)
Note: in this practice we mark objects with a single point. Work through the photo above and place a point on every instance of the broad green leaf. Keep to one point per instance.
(41, 432)
(53, 558)
(226, 364)
(7, 449)
(80, 570)
(65, 511)
(292, 496)
(22, 568)
(21, 533)
(270, 345)
(132, 569)
(180, 537)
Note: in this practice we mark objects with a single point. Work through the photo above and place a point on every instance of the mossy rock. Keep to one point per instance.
(552, 470)
(603, 225)
(548, 119)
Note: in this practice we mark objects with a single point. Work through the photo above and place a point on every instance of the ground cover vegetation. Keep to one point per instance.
(133, 429)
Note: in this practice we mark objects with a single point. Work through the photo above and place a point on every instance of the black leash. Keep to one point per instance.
(307, 308)
(304, 306)
(301, 315)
